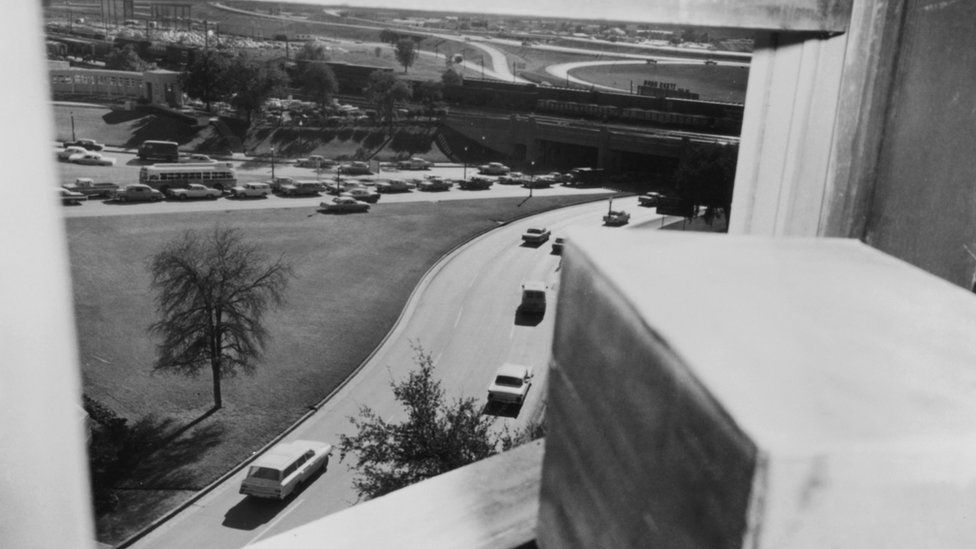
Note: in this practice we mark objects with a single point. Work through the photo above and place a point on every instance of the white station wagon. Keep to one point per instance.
(284, 467)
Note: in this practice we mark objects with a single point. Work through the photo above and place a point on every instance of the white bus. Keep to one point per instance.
(219, 175)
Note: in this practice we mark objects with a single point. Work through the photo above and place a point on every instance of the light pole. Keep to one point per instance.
(272, 164)
(300, 144)
(72, 113)
(531, 177)
(465, 160)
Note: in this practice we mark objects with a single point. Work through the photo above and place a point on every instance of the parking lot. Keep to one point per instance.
(126, 171)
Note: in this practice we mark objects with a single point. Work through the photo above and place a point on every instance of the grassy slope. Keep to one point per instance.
(354, 274)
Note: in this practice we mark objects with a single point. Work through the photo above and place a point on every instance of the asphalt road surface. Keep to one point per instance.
(464, 315)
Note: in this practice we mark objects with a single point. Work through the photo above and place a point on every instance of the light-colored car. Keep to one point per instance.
(363, 194)
(91, 159)
(541, 182)
(251, 190)
(315, 161)
(196, 158)
(67, 152)
(414, 163)
(494, 168)
(355, 168)
(280, 470)
(616, 217)
(511, 384)
(137, 192)
(535, 235)
(649, 199)
(71, 197)
(343, 204)
(194, 190)
(87, 144)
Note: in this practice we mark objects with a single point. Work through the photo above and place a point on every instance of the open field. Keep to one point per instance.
(353, 276)
(714, 83)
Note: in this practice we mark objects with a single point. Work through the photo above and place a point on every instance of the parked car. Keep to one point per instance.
(68, 152)
(355, 168)
(494, 168)
(475, 183)
(343, 204)
(363, 194)
(194, 190)
(315, 161)
(71, 197)
(91, 159)
(650, 199)
(511, 384)
(91, 188)
(277, 183)
(137, 192)
(280, 470)
(251, 190)
(541, 182)
(301, 188)
(711, 62)
(414, 163)
(512, 178)
(196, 158)
(535, 235)
(616, 217)
(434, 184)
(392, 186)
(87, 144)
(557, 245)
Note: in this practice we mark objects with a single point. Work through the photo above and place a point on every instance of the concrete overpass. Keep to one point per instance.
(549, 141)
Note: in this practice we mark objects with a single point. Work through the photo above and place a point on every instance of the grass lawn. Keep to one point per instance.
(353, 276)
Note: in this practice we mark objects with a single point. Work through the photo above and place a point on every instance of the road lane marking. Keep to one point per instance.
(276, 521)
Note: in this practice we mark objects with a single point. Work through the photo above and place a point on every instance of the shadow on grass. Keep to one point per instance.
(165, 453)
(251, 512)
(503, 409)
(118, 116)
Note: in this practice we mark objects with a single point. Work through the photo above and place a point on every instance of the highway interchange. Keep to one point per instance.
(464, 314)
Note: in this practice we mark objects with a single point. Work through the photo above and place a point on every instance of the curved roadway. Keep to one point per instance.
(463, 314)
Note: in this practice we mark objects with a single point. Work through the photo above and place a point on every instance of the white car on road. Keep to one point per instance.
(284, 467)
(510, 384)
(195, 190)
(91, 159)
(67, 152)
(252, 190)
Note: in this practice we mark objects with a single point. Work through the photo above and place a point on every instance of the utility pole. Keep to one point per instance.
(72, 113)
(272, 164)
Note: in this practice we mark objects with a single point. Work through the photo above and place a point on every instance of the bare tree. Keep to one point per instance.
(212, 294)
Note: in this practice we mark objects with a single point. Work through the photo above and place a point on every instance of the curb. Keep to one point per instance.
(410, 304)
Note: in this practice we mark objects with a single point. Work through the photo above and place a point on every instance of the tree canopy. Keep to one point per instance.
(451, 78)
(206, 78)
(705, 176)
(385, 90)
(125, 59)
(318, 81)
(436, 436)
(212, 292)
(253, 82)
(406, 52)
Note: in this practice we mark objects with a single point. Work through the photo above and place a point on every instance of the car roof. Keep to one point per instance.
(512, 369)
(283, 454)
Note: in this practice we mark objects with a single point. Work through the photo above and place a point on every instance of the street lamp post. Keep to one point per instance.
(272, 164)
(300, 144)
(72, 113)
(465, 160)
(531, 177)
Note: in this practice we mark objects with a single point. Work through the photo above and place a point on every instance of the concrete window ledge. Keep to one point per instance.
(491, 504)
(721, 391)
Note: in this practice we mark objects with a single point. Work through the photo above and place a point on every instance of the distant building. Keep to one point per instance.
(654, 88)
(158, 86)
